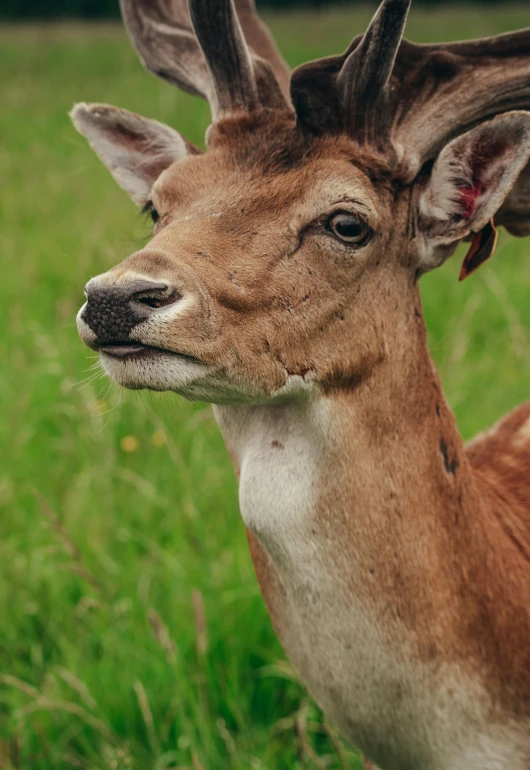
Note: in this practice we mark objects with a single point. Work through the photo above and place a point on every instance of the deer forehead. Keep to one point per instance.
(216, 187)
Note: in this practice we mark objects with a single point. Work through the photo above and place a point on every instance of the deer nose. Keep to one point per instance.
(112, 311)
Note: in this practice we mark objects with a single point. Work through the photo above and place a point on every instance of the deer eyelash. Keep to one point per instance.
(149, 210)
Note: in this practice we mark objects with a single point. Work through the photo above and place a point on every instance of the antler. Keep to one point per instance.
(384, 89)
(406, 100)
(241, 80)
(364, 77)
(351, 92)
(262, 43)
(227, 55)
(208, 55)
(409, 100)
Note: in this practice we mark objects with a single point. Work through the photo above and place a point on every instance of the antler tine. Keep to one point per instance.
(227, 55)
(369, 66)
(409, 100)
(165, 42)
(366, 72)
(209, 56)
(262, 43)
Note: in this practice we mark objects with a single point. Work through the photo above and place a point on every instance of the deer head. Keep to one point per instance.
(288, 252)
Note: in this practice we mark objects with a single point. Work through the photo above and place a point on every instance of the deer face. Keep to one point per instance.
(288, 252)
(254, 273)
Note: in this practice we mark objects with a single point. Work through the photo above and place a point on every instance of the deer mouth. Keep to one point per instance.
(137, 350)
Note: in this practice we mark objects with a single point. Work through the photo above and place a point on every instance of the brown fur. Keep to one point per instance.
(456, 576)
(446, 542)
(500, 459)
(397, 537)
(442, 532)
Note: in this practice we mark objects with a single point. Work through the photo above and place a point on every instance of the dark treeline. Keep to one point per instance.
(100, 9)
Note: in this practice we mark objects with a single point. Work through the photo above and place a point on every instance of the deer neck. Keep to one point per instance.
(373, 553)
(374, 473)
(365, 495)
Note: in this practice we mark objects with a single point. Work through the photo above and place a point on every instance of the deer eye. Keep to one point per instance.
(151, 211)
(349, 228)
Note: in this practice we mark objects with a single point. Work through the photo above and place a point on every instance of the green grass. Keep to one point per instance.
(133, 634)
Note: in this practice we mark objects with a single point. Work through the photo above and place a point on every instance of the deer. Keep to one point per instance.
(281, 284)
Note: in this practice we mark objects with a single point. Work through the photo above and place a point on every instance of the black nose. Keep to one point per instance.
(113, 311)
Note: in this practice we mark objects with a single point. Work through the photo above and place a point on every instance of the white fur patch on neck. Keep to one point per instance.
(278, 448)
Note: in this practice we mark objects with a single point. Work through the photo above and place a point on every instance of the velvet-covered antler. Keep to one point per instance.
(241, 80)
(430, 93)
(409, 100)
(262, 43)
(364, 77)
(207, 54)
(406, 100)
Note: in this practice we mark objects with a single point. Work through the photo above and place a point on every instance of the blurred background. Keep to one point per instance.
(133, 634)
(97, 9)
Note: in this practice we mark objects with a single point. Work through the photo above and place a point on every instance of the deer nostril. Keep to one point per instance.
(151, 301)
(156, 298)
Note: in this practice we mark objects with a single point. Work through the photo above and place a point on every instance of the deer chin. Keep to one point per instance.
(148, 368)
(160, 370)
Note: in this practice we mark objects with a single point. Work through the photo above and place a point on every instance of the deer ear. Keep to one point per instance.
(468, 184)
(135, 150)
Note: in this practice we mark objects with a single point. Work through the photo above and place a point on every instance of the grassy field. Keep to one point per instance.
(133, 634)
